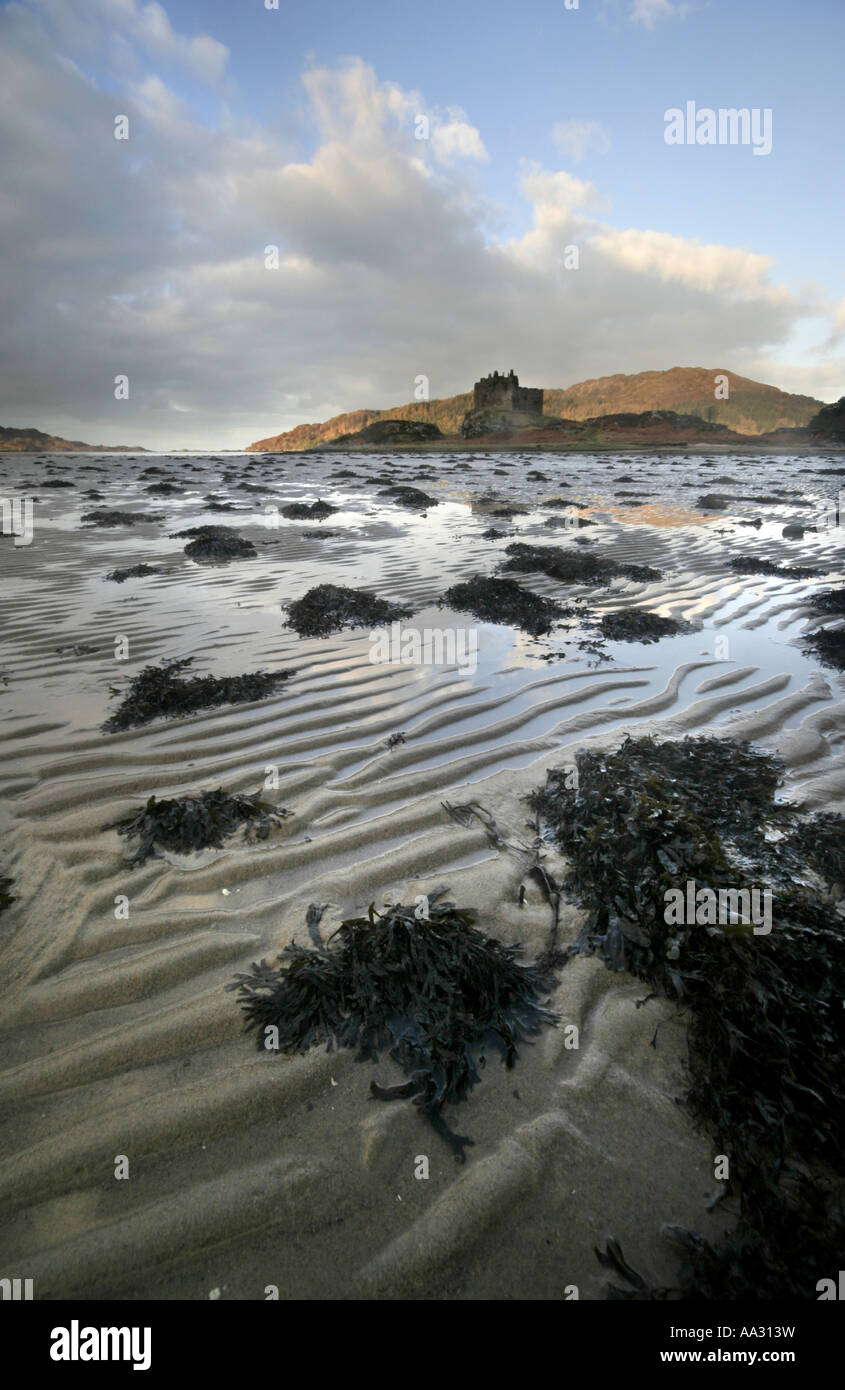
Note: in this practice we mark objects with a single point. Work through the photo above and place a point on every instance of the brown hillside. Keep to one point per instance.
(752, 407)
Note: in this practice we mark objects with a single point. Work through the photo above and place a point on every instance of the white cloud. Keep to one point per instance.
(130, 22)
(457, 139)
(650, 12)
(578, 138)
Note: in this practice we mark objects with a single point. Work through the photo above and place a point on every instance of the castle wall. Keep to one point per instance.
(505, 393)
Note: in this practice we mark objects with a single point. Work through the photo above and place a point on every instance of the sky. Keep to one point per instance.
(219, 220)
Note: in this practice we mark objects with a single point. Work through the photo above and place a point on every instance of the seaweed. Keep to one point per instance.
(408, 496)
(821, 841)
(301, 511)
(766, 1025)
(107, 516)
(161, 692)
(638, 625)
(432, 992)
(504, 601)
(133, 572)
(215, 544)
(753, 564)
(329, 607)
(572, 567)
(829, 601)
(188, 823)
(6, 898)
(828, 646)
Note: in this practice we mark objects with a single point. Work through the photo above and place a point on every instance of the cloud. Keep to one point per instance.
(124, 26)
(578, 138)
(650, 12)
(457, 139)
(148, 257)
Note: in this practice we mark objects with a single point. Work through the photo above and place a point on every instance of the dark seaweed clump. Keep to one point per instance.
(408, 496)
(573, 567)
(636, 625)
(828, 646)
(187, 823)
(133, 572)
(821, 842)
(329, 607)
(161, 692)
(504, 601)
(767, 1024)
(301, 511)
(216, 544)
(752, 564)
(436, 995)
(106, 516)
(830, 601)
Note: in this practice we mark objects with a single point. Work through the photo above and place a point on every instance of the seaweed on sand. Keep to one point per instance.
(752, 564)
(766, 1026)
(408, 496)
(161, 692)
(573, 567)
(638, 625)
(302, 511)
(329, 607)
(504, 601)
(435, 994)
(133, 572)
(187, 823)
(108, 516)
(821, 841)
(829, 601)
(215, 544)
(828, 646)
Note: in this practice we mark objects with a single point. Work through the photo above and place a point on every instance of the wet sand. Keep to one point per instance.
(250, 1170)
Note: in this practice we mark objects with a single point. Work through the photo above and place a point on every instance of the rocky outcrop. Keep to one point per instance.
(481, 423)
(387, 432)
(829, 424)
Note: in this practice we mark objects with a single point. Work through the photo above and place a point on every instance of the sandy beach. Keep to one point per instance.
(251, 1171)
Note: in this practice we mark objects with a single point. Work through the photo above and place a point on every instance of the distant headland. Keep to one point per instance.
(681, 406)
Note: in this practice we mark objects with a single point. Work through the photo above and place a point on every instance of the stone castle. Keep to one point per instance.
(500, 392)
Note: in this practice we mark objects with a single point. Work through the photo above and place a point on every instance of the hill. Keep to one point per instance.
(752, 407)
(32, 441)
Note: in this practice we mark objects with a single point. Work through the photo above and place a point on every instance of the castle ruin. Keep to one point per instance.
(500, 392)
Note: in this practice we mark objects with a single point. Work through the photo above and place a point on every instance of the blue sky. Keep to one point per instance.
(518, 69)
(295, 128)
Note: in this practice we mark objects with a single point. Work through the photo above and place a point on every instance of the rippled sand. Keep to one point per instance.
(250, 1170)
